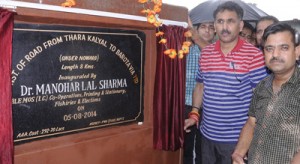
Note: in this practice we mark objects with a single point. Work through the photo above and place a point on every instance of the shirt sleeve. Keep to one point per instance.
(199, 76)
(258, 70)
(256, 98)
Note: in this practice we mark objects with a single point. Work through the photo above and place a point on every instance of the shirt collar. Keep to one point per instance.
(295, 77)
(235, 49)
(293, 80)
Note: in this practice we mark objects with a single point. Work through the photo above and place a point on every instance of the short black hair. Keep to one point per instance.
(197, 25)
(231, 6)
(279, 27)
(249, 26)
(268, 17)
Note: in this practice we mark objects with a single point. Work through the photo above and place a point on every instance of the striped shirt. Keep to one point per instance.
(228, 83)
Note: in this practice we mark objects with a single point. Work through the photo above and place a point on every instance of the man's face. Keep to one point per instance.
(280, 53)
(206, 31)
(254, 39)
(228, 26)
(246, 34)
(260, 28)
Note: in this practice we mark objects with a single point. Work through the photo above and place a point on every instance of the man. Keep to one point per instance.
(229, 69)
(272, 131)
(261, 25)
(253, 41)
(246, 32)
(202, 35)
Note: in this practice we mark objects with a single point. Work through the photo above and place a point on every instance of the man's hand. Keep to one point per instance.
(188, 123)
(296, 159)
(237, 159)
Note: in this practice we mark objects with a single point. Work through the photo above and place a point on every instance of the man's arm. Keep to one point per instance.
(197, 102)
(198, 95)
(245, 139)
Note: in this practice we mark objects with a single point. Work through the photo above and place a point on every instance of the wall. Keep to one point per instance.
(130, 144)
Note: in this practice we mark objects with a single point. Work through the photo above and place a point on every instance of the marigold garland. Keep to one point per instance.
(69, 3)
(152, 18)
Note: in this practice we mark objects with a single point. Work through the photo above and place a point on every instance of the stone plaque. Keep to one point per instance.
(69, 79)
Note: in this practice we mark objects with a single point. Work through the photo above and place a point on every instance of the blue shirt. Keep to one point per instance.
(191, 72)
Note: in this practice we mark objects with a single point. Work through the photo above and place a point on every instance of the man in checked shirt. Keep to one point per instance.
(202, 35)
(271, 134)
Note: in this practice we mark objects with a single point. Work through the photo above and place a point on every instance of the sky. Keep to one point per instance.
(282, 9)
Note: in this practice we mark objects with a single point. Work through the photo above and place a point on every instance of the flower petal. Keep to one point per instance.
(188, 34)
(187, 43)
(159, 33)
(142, 1)
(163, 41)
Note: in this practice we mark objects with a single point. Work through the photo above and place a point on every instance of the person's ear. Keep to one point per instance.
(297, 51)
(241, 25)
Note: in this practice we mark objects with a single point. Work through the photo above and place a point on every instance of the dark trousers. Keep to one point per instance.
(192, 143)
(216, 153)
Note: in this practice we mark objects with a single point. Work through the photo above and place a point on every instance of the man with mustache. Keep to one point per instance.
(272, 131)
(261, 25)
(229, 69)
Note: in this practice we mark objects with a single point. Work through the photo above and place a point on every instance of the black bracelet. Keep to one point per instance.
(196, 107)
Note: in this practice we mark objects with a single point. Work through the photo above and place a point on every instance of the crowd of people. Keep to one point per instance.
(242, 91)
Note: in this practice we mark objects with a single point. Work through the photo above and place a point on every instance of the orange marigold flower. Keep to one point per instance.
(151, 19)
(172, 54)
(167, 52)
(185, 49)
(69, 3)
(157, 2)
(180, 54)
(157, 23)
(188, 34)
(145, 11)
(187, 43)
(148, 11)
(163, 41)
(159, 33)
(157, 8)
(142, 1)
